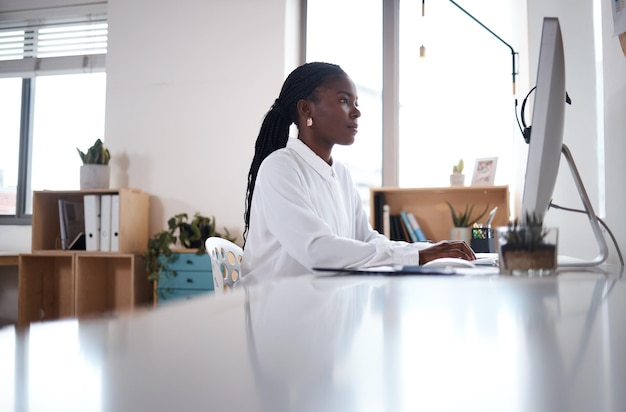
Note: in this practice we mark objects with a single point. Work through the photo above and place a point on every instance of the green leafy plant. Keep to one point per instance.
(183, 232)
(96, 154)
(464, 219)
(458, 168)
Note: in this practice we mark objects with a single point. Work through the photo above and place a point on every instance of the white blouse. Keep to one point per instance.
(308, 214)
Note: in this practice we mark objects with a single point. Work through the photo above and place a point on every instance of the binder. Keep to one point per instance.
(92, 222)
(105, 223)
(115, 223)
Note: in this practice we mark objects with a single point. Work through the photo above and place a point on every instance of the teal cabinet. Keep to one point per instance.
(186, 275)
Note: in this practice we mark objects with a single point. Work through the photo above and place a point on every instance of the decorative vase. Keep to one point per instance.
(457, 179)
(94, 176)
(461, 233)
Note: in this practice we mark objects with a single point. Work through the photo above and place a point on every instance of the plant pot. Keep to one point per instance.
(528, 259)
(461, 233)
(94, 176)
(483, 240)
(457, 179)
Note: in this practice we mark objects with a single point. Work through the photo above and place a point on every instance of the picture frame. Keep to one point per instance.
(485, 171)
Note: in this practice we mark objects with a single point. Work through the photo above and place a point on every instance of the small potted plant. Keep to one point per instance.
(527, 247)
(462, 222)
(181, 232)
(95, 173)
(457, 178)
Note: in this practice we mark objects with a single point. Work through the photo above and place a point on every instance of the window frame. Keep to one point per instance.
(28, 69)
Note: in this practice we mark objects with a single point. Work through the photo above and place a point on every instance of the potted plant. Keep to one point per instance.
(94, 173)
(527, 247)
(457, 178)
(181, 232)
(462, 222)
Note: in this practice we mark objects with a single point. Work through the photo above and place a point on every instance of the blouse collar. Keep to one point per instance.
(310, 157)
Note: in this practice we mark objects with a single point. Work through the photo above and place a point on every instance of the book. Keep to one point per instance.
(408, 227)
(379, 202)
(62, 225)
(419, 233)
(72, 225)
(396, 228)
(386, 222)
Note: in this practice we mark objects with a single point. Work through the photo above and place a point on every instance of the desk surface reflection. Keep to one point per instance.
(366, 343)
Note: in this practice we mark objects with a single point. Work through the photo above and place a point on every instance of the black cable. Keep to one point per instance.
(517, 118)
(604, 225)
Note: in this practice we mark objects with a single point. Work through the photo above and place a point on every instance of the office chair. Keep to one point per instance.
(225, 263)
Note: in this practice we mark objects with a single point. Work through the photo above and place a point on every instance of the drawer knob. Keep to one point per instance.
(189, 280)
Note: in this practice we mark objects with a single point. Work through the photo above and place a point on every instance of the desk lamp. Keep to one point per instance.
(514, 54)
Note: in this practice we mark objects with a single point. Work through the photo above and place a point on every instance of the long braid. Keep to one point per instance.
(300, 84)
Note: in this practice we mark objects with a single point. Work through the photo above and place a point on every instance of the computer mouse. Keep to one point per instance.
(446, 262)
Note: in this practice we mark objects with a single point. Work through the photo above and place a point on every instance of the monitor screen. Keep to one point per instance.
(546, 134)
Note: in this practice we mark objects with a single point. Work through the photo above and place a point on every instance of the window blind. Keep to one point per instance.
(32, 45)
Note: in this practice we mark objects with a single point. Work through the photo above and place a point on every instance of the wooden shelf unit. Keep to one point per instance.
(133, 229)
(55, 284)
(432, 212)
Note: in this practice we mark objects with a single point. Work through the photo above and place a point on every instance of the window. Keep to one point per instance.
(356, 45)
(456, 102)
(52, 96)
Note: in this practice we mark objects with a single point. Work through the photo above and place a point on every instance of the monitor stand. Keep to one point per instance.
(603, 250)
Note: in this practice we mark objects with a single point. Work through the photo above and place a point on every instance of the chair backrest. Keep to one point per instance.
(225, 263)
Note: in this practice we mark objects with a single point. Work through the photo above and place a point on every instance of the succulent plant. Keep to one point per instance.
(527, 233)
(96, 154)
(464, 219)
(458, 168)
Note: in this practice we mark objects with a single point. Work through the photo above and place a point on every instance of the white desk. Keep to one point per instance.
(339, 344)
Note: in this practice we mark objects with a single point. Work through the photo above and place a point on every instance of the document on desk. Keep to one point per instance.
(409, 271)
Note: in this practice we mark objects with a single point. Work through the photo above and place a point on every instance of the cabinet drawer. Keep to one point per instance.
(189, 261)
(187, 280)
(171, 295)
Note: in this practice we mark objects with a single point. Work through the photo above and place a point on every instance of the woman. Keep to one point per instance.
(302, 208)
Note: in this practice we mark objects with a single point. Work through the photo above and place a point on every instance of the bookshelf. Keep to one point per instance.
(430, 208)
(55, 283)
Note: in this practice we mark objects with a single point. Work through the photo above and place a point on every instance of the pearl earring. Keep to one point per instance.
(309, 121)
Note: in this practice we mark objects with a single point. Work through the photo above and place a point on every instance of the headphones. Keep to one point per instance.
(527, 129)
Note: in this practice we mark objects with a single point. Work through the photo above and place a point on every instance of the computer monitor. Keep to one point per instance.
(546, 133)
(546, 138)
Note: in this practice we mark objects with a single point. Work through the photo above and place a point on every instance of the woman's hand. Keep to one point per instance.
(447, 248)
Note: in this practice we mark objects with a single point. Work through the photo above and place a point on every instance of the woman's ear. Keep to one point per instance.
(304, 109)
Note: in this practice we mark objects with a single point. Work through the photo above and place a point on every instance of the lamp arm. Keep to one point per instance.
(513, 52)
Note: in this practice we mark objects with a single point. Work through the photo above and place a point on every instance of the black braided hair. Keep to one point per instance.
(300, 84)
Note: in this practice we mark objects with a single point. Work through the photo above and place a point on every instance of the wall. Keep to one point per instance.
(614, 99)
(187, 90)
(591, 150)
